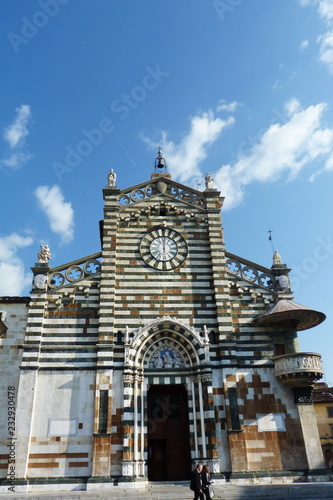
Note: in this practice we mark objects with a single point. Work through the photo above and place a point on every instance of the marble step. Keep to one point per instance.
(310, 491)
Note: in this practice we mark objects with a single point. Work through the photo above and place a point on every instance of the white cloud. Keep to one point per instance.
(281, 148)
(183, 159)
(326, 50)
(229, 107)
(13, 278)
(16, 160)
(59, 213)
(304, 45)
(292, 106)
(325, 9)
(329, 164)
(328, 167)
(15, 133)
(10, 244)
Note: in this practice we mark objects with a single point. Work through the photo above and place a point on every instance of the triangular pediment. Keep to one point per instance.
(164, 188)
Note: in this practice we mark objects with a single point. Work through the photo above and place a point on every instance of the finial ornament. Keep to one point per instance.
(112, 177)
(44, 255)
(209, 181)
(271, 239)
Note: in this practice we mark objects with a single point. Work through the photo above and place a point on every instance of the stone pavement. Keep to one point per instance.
(181, 491)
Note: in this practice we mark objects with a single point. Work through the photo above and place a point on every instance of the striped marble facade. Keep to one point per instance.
(98, 330)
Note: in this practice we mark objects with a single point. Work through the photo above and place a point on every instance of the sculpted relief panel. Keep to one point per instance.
(166, 356)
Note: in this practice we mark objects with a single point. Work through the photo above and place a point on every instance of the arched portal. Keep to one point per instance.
(167, 397)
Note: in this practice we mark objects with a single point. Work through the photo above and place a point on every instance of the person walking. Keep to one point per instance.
(206, 482)
(196, 482)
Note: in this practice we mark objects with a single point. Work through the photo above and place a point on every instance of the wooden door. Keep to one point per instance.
(168, 434)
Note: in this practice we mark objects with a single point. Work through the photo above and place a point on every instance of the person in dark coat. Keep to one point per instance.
(196, 482)
(205, 475)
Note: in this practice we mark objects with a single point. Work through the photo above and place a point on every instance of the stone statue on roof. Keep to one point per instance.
(209, 181)
(44, 255)
(112, 177)
(277, 261)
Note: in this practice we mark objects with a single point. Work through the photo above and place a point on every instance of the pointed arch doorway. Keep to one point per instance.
(168, 433)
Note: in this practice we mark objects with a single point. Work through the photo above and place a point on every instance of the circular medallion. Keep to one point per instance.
(284, 282)
(162, 187)
(39, 280)
(163, 248)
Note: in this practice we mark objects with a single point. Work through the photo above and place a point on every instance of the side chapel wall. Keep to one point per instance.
(14, 317)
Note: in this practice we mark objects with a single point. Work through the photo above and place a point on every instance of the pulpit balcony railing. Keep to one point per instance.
(300, 369)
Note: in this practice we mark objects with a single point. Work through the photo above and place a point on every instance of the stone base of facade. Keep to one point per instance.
(44, 484)
(278, 477)
(70, 484)
(109, 483)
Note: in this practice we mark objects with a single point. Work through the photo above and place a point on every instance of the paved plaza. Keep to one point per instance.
(181, 491)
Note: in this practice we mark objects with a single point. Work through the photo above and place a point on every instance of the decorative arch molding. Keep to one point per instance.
(168, 352)
(165, 336)
(166, 323)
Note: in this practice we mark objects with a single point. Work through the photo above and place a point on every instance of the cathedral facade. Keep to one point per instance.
(164, 349)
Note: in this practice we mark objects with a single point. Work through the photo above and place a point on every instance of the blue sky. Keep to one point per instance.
(241, 89)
